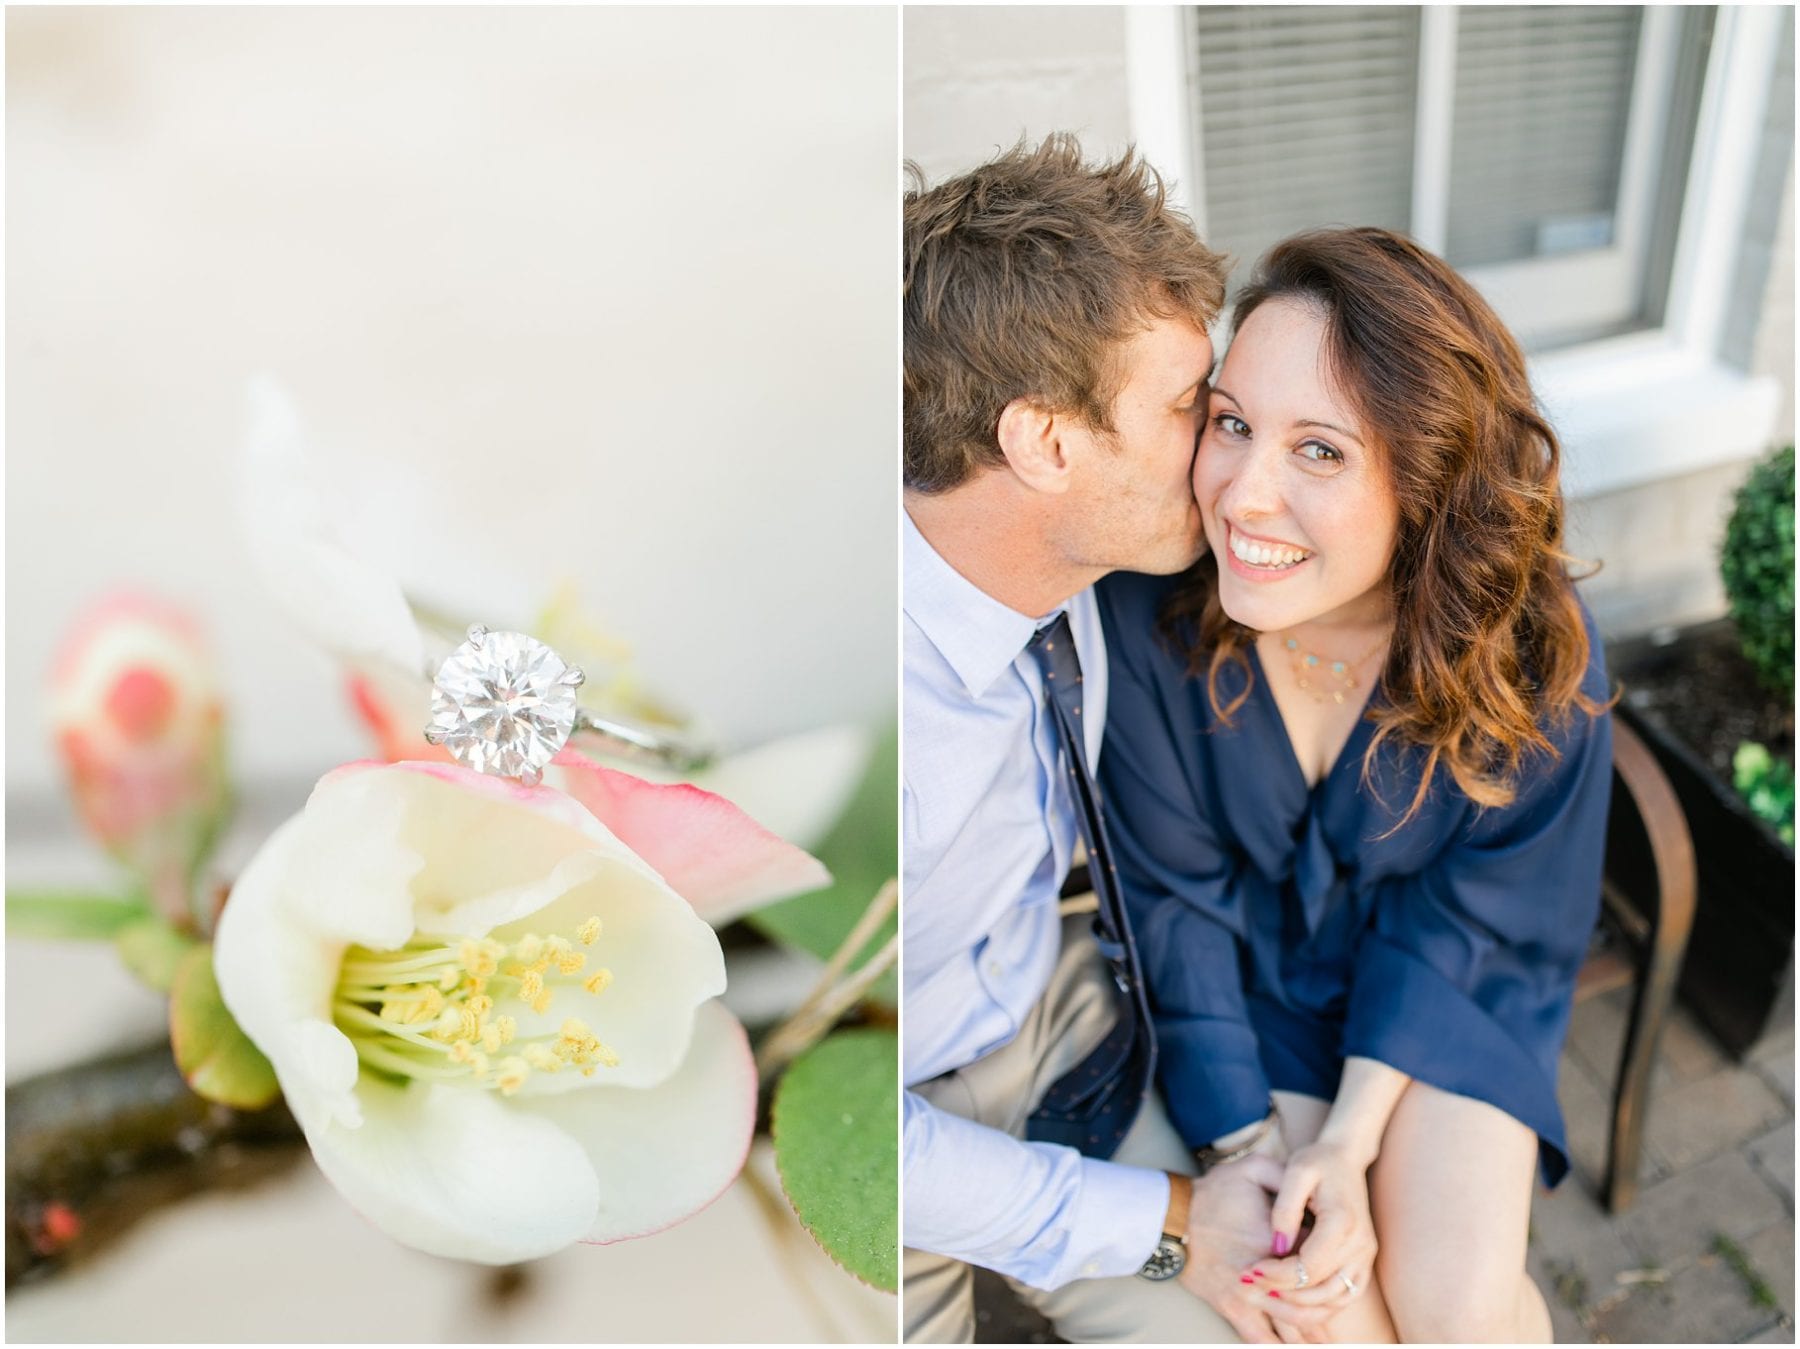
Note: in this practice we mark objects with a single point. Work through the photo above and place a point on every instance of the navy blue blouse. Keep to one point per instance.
(1280, 933)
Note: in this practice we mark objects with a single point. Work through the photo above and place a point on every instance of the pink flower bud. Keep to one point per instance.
(135, 707)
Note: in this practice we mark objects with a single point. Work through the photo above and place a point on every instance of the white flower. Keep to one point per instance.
(490, 1006)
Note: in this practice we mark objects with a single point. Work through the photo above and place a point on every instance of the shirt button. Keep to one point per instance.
(995, 969)
(1091, 1268)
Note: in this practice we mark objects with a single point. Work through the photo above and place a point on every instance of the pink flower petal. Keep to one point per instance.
(394, 720)
(716, 857)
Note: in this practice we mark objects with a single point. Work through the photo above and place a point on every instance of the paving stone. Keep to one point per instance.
(1687, 1050)
(1577, 1240)
(1778, 1072)
(1700, 1119)
(1678, 1218)
(1703, 1303)
(1566, 1325)
(1775, 1047)
(1597, 1039)
(1775, 1334)
(1597, 1033)
(1587, 1120)
(1773, 1156)
(1771, 1254)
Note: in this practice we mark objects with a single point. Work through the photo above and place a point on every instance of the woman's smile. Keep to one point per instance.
(1259, 559)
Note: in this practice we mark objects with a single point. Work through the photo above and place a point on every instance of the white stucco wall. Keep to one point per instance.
(979, 77)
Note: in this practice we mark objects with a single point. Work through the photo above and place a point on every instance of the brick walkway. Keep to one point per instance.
(1705, 1255)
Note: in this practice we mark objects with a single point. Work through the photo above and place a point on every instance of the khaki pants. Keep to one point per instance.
(1001, 1091)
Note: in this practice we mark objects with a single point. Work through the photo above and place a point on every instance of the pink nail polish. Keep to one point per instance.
(1273, 1293)
(1281, 1243)
(1259, 1274)
(1246, 1279)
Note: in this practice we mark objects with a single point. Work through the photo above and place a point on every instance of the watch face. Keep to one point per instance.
(1166, 1261)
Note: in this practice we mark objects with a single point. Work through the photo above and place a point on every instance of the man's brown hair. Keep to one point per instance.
(1021, 278)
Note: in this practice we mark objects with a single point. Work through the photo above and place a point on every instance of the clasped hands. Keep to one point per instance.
(1249, 1257)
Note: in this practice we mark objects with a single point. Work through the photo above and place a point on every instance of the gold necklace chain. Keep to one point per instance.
(1324, 680)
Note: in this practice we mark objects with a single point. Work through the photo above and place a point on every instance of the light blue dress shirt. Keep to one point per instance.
(989, 830)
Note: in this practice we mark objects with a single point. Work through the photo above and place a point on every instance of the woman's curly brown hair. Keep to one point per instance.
(1488, 637)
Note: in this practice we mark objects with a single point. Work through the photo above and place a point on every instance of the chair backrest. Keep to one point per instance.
(1651, 881)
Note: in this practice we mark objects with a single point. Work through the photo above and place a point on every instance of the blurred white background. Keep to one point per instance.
(565, 294)
(602, 295)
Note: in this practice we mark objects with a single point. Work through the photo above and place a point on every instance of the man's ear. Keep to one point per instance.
(1031, 439)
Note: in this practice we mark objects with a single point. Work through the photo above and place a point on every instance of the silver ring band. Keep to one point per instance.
(1349, 1284)
(644, 744)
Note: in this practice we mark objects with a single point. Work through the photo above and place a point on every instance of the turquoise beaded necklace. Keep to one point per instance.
(1324, 680)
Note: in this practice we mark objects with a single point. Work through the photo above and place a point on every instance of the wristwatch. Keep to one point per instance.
(1170, 1256)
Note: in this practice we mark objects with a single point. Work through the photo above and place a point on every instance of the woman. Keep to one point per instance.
(1357, 767)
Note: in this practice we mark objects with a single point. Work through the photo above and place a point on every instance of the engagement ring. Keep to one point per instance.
(505, 704)
(1349, 1286)
(1299, 1272)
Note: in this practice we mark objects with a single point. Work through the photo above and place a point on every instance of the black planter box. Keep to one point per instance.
(1739, 974)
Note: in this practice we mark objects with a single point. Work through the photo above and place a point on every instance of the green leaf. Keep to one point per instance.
(215, 1057)
(863, 852)
(153, 950)
(836, 1121)
(62, 916)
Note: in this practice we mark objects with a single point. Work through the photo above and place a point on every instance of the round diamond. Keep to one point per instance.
(503, 703)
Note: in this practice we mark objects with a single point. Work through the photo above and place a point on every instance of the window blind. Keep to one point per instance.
(1537, 142)
(1306, 118)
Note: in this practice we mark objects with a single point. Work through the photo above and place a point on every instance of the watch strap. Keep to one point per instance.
(1181, 1200)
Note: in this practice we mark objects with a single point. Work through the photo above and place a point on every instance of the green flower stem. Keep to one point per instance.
(830, 998)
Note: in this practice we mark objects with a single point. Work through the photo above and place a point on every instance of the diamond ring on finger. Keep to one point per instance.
(1349, 1283)
(1299, 1273)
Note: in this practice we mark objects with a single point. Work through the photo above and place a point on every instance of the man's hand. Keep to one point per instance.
(1228, 1229)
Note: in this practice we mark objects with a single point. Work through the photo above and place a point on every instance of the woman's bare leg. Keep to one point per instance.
(1451, 1198)
(1366, 1320)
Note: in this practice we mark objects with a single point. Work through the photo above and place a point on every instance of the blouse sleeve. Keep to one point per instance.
(1465, 978)
(1185, 894)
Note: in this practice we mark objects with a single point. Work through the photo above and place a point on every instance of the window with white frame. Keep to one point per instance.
(1542, 150)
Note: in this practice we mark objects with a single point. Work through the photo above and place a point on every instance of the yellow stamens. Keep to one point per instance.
(513, 1072)
(426, 1011)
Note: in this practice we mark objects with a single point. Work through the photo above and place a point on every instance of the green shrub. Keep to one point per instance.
(1767, 784)
(1757, 563)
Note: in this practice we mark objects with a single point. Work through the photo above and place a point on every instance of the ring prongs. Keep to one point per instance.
(574, 676)
(433, 736)
(531, 775)
(476, 632)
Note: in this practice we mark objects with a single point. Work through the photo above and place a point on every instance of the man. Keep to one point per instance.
(1055, 386)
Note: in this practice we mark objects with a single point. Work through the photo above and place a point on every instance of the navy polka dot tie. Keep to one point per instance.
(1092, 1106)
